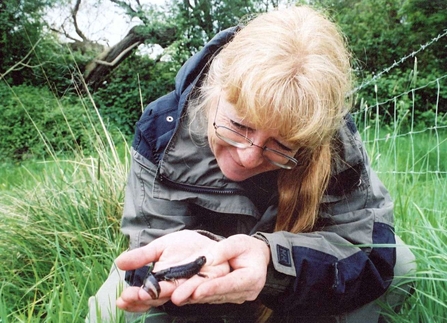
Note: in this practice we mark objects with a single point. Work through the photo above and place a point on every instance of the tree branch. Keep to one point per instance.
(64, 33)
(20, 63)
(74, 13)
(119, 57)
(125, 5)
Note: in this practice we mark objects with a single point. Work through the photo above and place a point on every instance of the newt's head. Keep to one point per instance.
(151, 286)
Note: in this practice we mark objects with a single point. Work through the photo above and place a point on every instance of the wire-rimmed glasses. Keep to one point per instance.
(238, 140)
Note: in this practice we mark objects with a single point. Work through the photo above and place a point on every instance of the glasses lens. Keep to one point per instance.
(279, 159)
(233, 138)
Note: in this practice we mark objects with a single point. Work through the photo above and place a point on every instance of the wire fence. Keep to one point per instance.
(425, 156)
(411, 146)
(399, 62)
(409, 150)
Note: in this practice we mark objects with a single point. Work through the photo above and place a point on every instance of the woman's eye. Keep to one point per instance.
(239, 126)
(282, 147)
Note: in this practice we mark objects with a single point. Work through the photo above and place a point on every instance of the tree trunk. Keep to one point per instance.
(100, 68)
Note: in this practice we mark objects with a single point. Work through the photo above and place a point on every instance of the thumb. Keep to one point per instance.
(139, 257)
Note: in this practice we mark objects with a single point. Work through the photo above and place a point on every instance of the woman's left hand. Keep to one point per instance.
(248, 258)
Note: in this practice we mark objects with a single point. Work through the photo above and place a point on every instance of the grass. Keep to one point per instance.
(59, 224)
(58, 237)
(59, 230)
(412, 166)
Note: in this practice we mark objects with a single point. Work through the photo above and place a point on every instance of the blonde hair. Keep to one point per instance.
(288, 70)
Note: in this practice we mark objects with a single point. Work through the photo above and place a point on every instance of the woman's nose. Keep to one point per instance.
(250, 157)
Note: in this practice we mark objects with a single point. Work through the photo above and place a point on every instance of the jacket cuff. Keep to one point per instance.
(277, 282)
(281, 254)
(277, 285)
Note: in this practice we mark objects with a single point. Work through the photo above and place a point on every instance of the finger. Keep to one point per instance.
(132, 307)
(185, 289)
(239, 282)
(135, 258)
(130, 300)
(133, 295)
(140, 257)
(166, 290)
(135, 299)
(153, 251)
(224, 250)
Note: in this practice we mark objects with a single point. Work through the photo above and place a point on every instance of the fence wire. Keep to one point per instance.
(409, 150)
(406, 145)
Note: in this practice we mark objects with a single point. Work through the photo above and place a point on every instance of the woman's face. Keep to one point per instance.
(238, 164)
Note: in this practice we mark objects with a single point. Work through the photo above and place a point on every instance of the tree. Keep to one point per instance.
(140, 79)
(181, 27)
(383, 35)
(21, 28)
(155, 29)
(182, 30)
(200, 20)
(373, 28)
(424, 21)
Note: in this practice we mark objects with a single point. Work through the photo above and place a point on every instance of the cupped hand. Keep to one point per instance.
(170, 250)
(248, 258)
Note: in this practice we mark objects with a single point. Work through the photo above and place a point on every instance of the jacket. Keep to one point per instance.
(175, 184)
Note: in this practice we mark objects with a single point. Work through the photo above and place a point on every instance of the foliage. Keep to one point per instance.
(373, 29)
(380, 34)
(141, 79)
(425, 20)
(59, 67)
(35, 124)
(59, 219)
(59, 228)
(198, 21)
(410, 165)
(20, 29)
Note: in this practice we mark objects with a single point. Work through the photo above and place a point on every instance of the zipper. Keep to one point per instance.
(201, 190)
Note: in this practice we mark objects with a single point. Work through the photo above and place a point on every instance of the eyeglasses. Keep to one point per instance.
(238, 140)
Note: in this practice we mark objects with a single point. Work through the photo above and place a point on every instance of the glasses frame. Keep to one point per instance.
(292, 162)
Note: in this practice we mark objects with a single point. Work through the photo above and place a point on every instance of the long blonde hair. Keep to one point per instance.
(288, 70)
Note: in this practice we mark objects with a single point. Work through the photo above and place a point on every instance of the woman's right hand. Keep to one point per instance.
(170, 250)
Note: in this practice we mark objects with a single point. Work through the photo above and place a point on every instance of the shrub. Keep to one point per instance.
(36, 124)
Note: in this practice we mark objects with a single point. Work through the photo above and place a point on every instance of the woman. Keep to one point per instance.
(255, 163)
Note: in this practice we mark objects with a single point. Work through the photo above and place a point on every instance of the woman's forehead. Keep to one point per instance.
(260, 118)
(256, 116)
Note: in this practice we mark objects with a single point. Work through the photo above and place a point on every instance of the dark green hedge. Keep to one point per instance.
(35, 123)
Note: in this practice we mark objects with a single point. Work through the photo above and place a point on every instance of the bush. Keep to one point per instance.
(36, 124)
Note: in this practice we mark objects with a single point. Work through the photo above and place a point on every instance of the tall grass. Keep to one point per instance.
(59, 230)
(412, 166)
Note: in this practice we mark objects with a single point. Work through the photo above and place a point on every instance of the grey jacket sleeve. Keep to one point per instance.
(345, 262)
